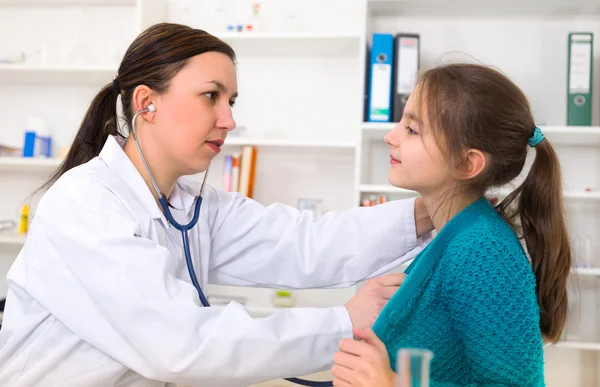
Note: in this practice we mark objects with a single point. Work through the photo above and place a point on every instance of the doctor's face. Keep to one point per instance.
(195, 114)
(416, 162)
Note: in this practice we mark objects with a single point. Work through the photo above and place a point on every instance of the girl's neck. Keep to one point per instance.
(444, 205)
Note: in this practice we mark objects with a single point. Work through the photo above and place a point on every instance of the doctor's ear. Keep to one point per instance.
(150, 113)
(143, 99)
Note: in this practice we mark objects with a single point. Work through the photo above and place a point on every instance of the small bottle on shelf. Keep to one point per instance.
(24, 221)
(254, 24)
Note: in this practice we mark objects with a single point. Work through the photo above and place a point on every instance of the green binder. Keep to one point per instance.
(579, 79)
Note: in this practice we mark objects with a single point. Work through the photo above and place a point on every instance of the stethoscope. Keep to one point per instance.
(184, 228)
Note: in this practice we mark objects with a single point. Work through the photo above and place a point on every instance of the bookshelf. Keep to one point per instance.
(577, 345)
(389, 189)
(559, 135)
(386, 189)
(35, 75)
(290, 144)
(477, 9)
(46, 3)
(12, 240)
(593, 272)
(19, 164)
(294, 44)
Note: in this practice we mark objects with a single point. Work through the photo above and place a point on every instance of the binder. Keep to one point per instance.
(365, 106)
(406, 67)
(380, 79)
(579, 79)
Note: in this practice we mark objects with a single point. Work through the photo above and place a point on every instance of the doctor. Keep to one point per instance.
(100, 294)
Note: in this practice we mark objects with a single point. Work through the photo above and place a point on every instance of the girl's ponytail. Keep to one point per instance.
(542, 215)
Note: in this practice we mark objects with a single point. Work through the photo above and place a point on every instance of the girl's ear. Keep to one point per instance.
(473, 164)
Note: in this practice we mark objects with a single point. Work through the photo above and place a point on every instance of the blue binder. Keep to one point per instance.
(380, 80)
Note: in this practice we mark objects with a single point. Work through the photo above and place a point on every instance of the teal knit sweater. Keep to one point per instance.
(470, 298)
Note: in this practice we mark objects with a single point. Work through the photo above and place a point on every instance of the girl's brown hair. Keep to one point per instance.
(470, 106)
(153, 59)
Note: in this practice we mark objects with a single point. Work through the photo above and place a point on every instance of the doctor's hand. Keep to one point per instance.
(362, 363)
(368, 302)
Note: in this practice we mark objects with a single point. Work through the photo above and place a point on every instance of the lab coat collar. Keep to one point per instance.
(182, 196)
(112, 153)
(117, 161)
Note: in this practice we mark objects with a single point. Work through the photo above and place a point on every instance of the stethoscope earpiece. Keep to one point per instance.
(151, 108)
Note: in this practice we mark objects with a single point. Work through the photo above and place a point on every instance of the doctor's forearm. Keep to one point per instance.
(423, 222)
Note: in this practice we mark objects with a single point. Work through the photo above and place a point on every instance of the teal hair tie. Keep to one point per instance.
(536, 138)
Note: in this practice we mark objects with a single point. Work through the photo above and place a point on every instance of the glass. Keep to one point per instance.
(577, 255)
(583, 252)
(413, 367)
(587, 256)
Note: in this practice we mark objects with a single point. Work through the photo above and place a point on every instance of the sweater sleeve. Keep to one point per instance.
(491, 297)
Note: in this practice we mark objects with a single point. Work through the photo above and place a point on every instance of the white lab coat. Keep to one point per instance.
(100, 294)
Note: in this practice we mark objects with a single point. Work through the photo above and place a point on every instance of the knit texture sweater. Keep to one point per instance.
(470, 298)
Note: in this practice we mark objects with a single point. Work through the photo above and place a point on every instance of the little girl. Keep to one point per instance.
(473, 297)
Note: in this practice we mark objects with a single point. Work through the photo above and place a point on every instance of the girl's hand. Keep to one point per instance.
(362, 363)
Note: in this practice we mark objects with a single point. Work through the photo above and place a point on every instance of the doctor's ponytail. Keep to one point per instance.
(153, 59)
(99, 122)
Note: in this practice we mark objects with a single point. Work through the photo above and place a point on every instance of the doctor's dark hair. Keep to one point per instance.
(153, 59)
(471, 106)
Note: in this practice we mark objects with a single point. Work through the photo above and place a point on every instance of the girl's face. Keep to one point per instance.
(194, 115)
(416, 162)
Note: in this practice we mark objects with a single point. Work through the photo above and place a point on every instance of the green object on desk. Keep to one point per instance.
(283, 299)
